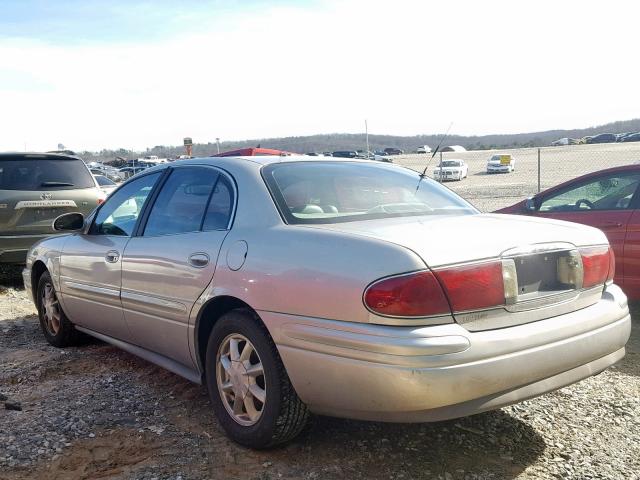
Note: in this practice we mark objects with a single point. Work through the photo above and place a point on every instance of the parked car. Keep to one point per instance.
(129, 172)
(423, 149)
(501, 163)
(291, 285)
(634, 137)
(393, 151)
(345, 154)
(603, 138)
(34, 189)
(621, 136)
(454, 169)
(608, 200)
(105, 184)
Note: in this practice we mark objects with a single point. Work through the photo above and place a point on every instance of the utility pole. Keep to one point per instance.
(218, 144)
(366, 133)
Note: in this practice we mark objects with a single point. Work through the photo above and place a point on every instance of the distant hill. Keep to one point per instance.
(346, 141)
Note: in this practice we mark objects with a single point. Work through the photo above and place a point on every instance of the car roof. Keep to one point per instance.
(37, 156)
(268, 160)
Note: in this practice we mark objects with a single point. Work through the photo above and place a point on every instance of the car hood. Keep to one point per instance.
(443, 240)
(449, 169)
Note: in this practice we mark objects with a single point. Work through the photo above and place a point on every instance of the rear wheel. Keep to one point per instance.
(56, 327)
(250, 390)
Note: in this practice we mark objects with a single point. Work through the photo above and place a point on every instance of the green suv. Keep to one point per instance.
(35, 188)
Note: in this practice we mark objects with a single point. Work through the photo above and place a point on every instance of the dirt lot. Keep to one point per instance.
(97, 412)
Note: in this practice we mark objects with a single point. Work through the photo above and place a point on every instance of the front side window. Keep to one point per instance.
(605, 193)
(119, 214)
(182, 202)
(331, 192)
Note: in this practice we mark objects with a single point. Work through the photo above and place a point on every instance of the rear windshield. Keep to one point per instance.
(332, 192)
(44, 174)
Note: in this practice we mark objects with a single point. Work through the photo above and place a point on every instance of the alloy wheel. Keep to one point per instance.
(52, 313)
(241, 380)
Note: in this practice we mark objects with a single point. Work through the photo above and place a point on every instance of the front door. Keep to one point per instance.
(90, 268)
(165, 270)
(606, 202)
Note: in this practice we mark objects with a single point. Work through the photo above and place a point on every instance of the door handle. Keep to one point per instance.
(112, 256)
(199, 260)
(610, 225)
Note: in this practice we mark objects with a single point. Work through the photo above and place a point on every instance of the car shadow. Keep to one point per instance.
(11, 276)
(630, 364)
(493, 443)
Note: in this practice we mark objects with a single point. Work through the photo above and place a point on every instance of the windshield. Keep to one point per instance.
(450, 163)
(332, 192)
(44, 174)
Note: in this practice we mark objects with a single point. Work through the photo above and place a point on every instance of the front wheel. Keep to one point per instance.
(56, 327)
(248, 385)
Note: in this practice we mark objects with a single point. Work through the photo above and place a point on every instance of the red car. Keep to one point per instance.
(608, 200)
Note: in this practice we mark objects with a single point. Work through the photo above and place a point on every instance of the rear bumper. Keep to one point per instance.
(408, 374)
(14, 248)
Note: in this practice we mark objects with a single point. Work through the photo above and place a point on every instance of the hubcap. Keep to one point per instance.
(240, 379)
(51, 308)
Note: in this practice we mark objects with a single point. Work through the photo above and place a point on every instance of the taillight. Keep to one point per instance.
(598, 264)
(413, 295)
(473, 287)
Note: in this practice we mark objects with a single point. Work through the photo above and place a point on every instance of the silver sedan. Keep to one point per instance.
(351, 288)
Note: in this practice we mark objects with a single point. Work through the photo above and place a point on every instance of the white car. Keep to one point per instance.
(501, 163)
(423, 149)
(105, 183)
(455, 169)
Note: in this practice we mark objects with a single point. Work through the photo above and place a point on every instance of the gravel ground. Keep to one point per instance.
(97, 412)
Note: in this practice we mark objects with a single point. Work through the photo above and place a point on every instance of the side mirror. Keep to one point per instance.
(69, 222)
(530, 204)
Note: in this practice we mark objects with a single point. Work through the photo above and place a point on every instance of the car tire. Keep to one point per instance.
(254, 423)
(56, 327)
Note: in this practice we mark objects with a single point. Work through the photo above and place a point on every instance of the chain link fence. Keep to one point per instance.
(536, 169)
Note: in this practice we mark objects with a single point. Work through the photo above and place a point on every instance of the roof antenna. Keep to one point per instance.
(424, 172)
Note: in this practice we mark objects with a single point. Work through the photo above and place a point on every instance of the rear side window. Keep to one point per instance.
(44, 174)
(220, 205)
(182, 202)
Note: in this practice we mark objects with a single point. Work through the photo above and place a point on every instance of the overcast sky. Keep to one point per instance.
(132, 74)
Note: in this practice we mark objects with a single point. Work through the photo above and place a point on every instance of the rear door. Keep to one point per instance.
(172, 259)
(90, 266)
(606, 202)
(35, 189)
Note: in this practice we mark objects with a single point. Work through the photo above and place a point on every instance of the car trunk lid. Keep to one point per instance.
(541, 256)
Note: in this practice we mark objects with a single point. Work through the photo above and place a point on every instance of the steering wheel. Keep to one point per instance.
(586, 202)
